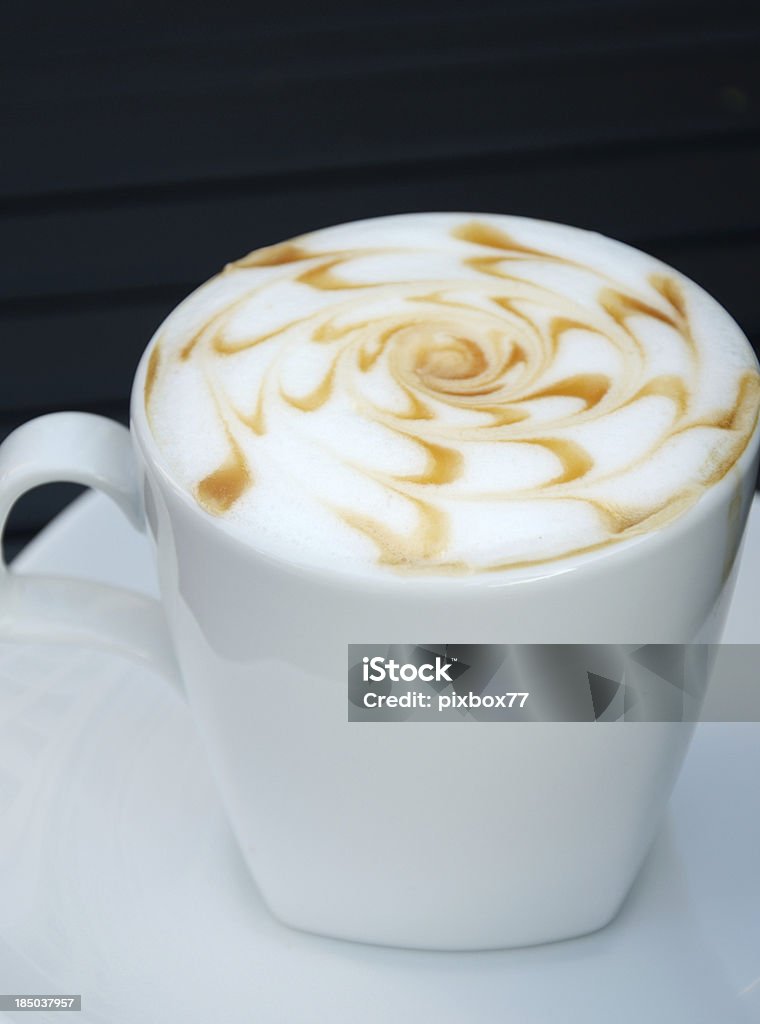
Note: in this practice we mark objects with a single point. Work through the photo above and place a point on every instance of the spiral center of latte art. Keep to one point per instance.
(442, 360)
(437, 393)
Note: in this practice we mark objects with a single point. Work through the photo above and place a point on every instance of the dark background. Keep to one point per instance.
(144, 145)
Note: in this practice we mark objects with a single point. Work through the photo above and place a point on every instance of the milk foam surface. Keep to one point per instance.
(448, 393)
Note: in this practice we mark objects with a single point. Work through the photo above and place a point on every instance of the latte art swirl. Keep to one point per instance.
(443, 393)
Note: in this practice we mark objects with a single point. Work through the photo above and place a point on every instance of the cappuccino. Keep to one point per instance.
(448, 393)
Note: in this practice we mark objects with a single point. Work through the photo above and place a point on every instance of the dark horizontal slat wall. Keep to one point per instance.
(392, 85)
(146, 146)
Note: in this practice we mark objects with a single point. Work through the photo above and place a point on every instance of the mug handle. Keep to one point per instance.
(79, 448)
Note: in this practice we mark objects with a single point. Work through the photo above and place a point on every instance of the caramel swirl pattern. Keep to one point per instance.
(444, 393)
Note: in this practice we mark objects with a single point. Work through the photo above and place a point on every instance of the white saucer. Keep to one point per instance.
(119, 879)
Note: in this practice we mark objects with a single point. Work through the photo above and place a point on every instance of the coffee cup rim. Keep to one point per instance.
(585, 561)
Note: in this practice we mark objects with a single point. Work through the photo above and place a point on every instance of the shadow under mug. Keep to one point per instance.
(440, 835)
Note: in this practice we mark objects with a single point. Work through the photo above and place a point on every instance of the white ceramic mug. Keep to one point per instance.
(433, 835)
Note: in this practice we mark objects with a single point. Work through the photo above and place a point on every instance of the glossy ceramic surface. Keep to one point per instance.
(120, 879)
